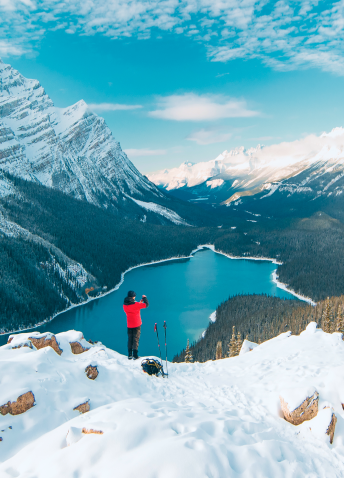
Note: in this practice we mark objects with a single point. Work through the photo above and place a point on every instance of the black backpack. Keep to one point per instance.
(152, 367)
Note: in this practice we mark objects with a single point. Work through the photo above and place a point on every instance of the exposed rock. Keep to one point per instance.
(47, 341)
(77, 348)
(306, 411)
(22, 404)
(331, 428)
(83, 407)
(91, 372)
(26, 344)
(10, 339)
(87, 431)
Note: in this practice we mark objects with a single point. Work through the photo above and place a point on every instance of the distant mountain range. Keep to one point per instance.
(72, 150)
(312, 167)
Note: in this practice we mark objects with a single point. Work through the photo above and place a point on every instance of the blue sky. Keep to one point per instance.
(184, 80)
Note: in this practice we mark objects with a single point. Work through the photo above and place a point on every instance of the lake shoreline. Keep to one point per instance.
(199, 248)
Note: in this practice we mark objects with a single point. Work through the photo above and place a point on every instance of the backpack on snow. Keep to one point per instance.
(152, 367)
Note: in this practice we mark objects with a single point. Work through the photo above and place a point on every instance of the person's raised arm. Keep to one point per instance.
(144, 300)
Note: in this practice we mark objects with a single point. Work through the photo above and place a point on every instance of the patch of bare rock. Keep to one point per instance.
(88, 431)
(47, 341)
(306, 411)
(331, 428)
(77, 348)
(39, 342)
(83, 407)
(21, 405)
(92, 372)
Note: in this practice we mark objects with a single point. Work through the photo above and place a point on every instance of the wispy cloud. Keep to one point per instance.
(112, 107)
(134, 153)
(208, 136)
(192, 107)
(284, 34)
(7, 49)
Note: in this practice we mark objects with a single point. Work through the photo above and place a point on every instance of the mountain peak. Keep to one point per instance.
(70, 149)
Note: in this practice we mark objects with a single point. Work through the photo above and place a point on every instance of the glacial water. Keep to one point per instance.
(183, 292)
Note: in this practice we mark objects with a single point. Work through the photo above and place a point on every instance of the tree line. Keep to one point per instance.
(258, 318)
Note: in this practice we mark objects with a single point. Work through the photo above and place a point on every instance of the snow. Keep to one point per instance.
(212, 317)
(163, 211)
(247, 346)
(221, 418)
(262, 167)
(215, 183)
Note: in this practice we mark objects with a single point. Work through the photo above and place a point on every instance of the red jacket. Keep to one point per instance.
(132, 310)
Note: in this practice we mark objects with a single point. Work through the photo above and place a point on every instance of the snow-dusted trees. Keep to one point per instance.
(219, 350)
(340, 321)
(260, 318)
(232, 347)
(235, 344)
(326, 317)
(188, 354)
(238, 343)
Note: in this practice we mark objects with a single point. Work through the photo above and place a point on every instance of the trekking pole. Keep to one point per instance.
(166, 346)
(156, 330)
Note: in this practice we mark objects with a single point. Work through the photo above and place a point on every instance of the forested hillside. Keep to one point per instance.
(311, 249)
(45, 235)
(58, 227)
(259, 318)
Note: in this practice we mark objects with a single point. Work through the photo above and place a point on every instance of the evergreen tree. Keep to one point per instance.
(340, 321)
(326, 317)
(238, 343)
(232, 344)
(188, 354)
(219, 350)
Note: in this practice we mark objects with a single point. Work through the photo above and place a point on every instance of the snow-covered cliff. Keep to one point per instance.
(70, 149)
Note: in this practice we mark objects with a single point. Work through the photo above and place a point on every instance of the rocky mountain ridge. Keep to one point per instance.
(245, 173)
(70, 149)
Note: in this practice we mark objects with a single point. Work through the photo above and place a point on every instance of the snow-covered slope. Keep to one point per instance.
(70, 149)
(218, 419)
(243, 172)
(163, 211)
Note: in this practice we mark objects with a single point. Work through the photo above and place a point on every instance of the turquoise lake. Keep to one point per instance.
(183, 292)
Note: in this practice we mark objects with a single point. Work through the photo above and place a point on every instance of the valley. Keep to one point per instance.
(76, 214)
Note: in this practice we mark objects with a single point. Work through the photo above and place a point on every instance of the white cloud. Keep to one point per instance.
(134, 153)
(286, 34)
(207, 136)
(7, 49)
(192, 107)
(112, 107)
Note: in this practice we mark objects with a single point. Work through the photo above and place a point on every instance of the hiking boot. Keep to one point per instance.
(135, 356)
(130, 354)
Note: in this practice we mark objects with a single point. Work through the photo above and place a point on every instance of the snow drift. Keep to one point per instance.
(215, 419)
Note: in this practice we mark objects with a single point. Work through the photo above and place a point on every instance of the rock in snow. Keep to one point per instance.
(306, 407)
(220, 419)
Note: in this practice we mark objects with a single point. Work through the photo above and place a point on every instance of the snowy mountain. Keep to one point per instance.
(72, 408)
(70, 149)
(241, 172)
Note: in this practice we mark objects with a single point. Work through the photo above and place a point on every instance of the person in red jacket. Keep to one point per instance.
(132, 310)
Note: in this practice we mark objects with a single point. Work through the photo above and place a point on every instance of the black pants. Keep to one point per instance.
(134, 337)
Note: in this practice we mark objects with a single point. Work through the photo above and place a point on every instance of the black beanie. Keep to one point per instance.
(131, 293)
